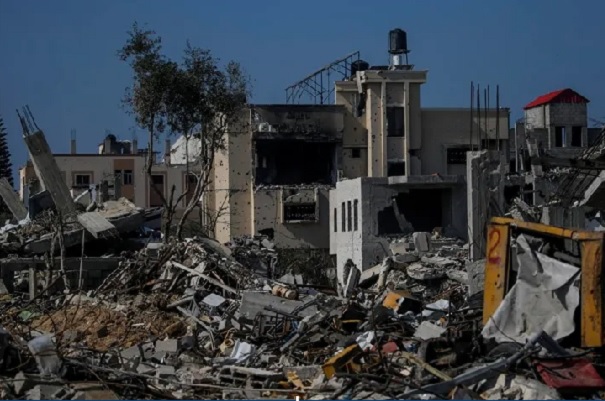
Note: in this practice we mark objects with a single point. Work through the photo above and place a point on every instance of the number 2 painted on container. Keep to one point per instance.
(494, 241)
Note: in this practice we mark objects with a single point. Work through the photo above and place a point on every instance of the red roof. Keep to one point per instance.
(561, 96)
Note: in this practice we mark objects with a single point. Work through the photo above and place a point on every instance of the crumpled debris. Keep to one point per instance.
(192, 319)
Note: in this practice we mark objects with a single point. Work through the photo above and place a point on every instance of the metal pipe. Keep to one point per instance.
(485, 117)
(471, 146)
(498, 116)
(480, 137)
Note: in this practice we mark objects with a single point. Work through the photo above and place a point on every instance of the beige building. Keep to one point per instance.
(343, 176)
(118, 164)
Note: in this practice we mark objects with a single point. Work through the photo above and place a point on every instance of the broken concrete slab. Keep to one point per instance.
(422, 241)
(97, 225)
(458, 275)
(254, 303)
(405, 258)
(169, 346)
(418, 271)
(476, 276)
(11, 200)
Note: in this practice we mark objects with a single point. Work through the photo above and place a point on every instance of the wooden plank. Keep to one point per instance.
(97, 225)
(12, 201)
(592, 294)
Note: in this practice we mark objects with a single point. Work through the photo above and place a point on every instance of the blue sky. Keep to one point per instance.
(60, 56)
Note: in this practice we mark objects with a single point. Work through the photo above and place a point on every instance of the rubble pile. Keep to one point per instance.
(38, 235)
(191, 319)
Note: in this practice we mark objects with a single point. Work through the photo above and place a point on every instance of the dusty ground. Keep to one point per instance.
(102, 328)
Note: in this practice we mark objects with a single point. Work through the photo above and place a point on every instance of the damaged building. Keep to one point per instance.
(412, 173)
(116, 171)
(297, 172)
(274, 176)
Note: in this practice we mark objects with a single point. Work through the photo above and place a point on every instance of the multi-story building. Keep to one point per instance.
(345, 176)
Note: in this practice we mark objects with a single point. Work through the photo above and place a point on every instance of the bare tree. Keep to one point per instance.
(197, 99)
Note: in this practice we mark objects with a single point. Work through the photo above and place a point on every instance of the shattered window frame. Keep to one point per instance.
(457, 154)
(304, 213)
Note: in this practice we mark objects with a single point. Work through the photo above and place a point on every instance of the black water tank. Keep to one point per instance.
(359, 65)
(398, 41)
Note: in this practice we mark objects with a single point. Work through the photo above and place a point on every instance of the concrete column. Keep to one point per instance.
(383, 133)
(476, 207)
(406, 123)
(48, 172)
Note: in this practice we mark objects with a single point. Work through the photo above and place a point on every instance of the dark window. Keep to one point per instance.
(457, 155)
(82, 179)
(576, 136)
(335, 220)
(355, 153)
(559, 137)
(355, 202)
(395, 126)
(344, 217)
(396, 169)
(127, 177)
(349, 217)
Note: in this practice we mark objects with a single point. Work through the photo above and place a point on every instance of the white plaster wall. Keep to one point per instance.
(363, 247)
(346, 245)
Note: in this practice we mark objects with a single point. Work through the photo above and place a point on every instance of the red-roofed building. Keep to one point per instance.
(558, 119)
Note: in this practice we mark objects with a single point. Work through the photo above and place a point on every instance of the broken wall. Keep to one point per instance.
(230, 201)
(361, 243)
(444, 127)
(485, 186)
(355, 134)
(291, 121)
(295, 217)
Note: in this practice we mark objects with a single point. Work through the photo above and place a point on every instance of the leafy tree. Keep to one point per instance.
(6, 167)
(195, 98)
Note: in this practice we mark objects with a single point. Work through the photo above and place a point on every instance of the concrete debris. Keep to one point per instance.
(422, 241)
(196, 319)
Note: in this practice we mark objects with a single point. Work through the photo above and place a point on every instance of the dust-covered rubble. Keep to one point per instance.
(197, 319)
